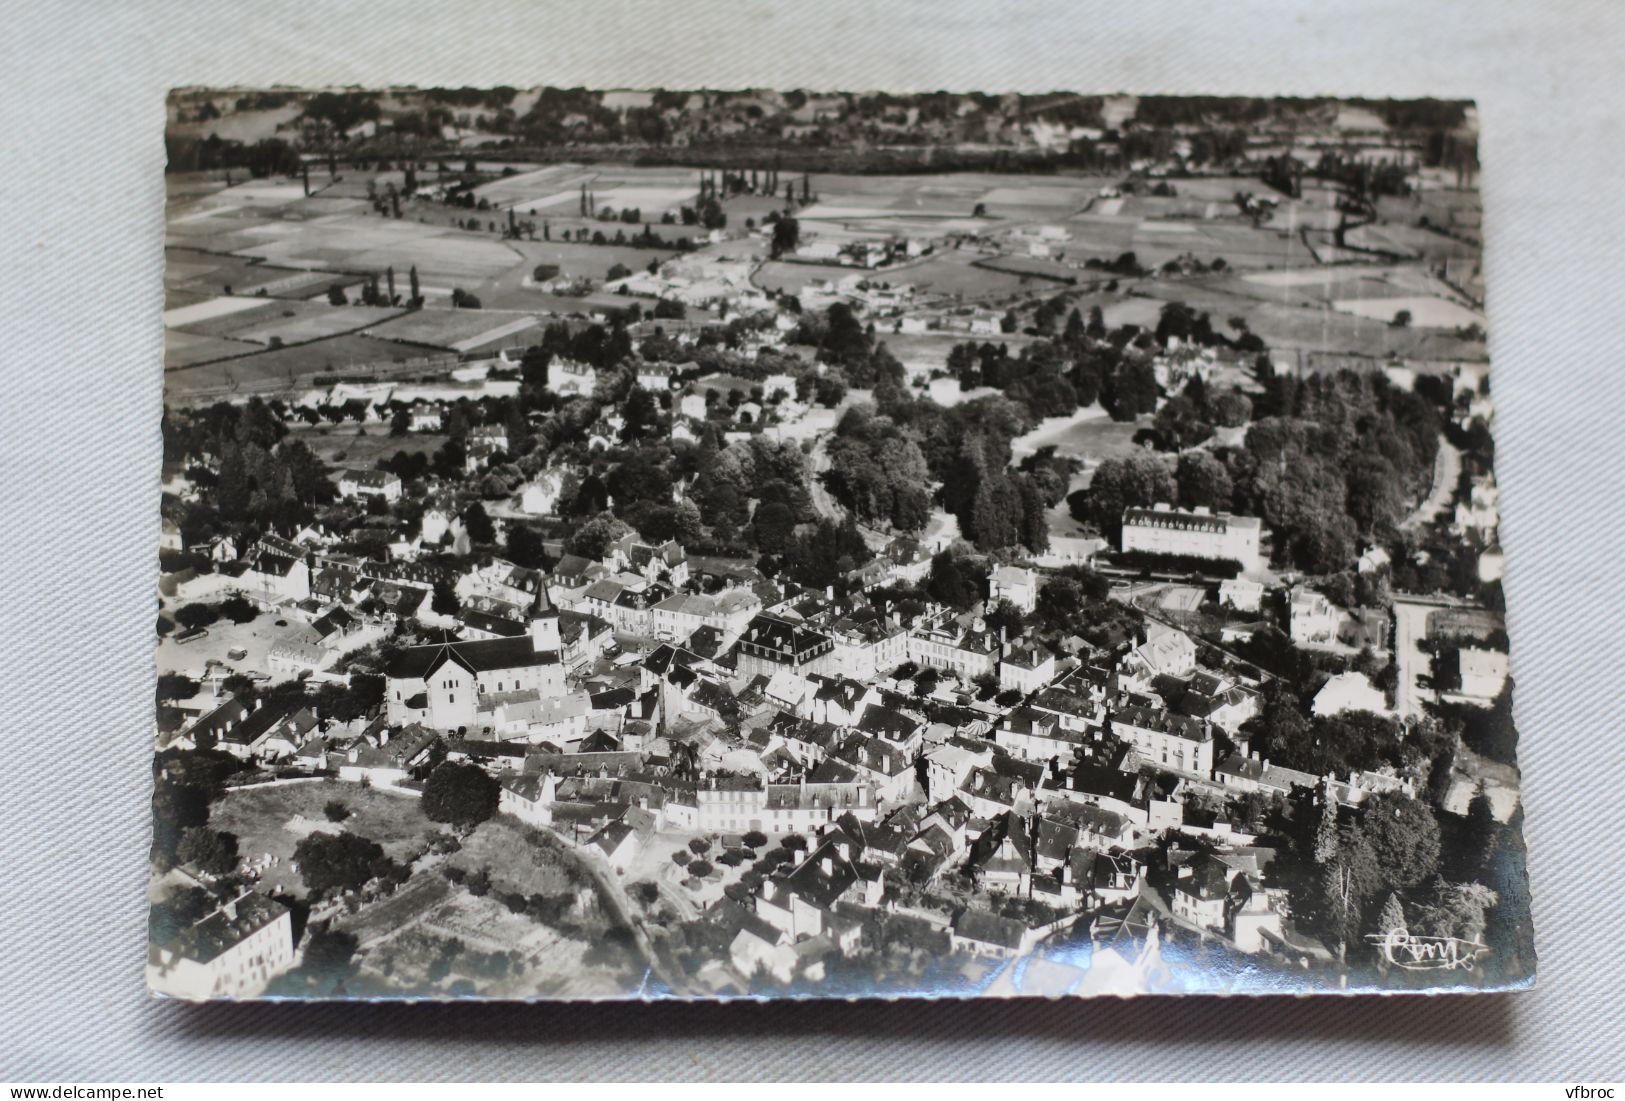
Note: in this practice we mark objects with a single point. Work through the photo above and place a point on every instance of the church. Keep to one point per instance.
(456, 685)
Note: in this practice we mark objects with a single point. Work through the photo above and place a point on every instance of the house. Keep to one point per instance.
(968, 650)
(567, 378)
(233, 952)
(541, 496)
(1166, 652)
(1193, 533)
(771, 643)
(1251, 774)
(983, 933)
(1166, 740)
(391, 760)
(760, 947)
(528, 797)
(1026, 667)
(619, 844)
(1201, 893)
(1311, 618)
(424, 417)
(355, 484)
(441, 684)
(169, 536)
(803, 903)
(1350, 691)
(276, 576)
(1483, 672)
(1013, 583)
(1241, 595)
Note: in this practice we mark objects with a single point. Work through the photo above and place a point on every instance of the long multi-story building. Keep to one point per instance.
(1193, 533)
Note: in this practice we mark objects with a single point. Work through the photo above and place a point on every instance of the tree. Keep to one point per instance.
(444, 601)
(193, 616)
(335, 810)
(1403, 835)
(212, 850)
(592, 539)
(1009, 323)
(1132, 480)
(1203, 481)
(786, 236)
(1392, 917)
(478, 524)
(328, 957)
(338, 861)
(1401, 320)
(463, 794)
(618, 271)
(238, 609)
(335, 296)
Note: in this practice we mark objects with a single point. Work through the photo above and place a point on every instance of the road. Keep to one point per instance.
(616, 898)
(1410, 628)
(1446, 472)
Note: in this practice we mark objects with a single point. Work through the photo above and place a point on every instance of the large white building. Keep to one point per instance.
(231, 953)
(444, 685)
(1193, 533)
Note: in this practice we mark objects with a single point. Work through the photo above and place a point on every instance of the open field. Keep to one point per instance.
(275, 818)
(1089, 434)
(338, 444)
(257, 637)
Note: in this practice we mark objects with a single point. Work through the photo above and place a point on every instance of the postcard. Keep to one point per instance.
(785, 544)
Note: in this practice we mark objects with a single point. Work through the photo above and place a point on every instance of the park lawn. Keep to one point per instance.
(275, 818)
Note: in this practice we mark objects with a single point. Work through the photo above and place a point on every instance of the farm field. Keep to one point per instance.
(303, 325)
(449, 328)
(276, 368)
(1291, 328)
(182, 349)
(1426, 311)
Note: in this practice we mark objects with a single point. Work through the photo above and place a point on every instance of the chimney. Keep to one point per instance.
(828, 865)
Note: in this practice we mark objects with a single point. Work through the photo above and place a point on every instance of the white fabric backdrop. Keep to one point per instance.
(82, 118)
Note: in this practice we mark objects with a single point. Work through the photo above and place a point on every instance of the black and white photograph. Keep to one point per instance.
(634, 543)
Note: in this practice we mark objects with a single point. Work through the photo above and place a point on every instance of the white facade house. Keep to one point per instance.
(1013, 583)
(233, 952)
(1483, 673)
(354, 484)
(1311, 618)
(1193, 533)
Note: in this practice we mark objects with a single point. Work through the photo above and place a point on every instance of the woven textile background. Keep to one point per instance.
(81, 120)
